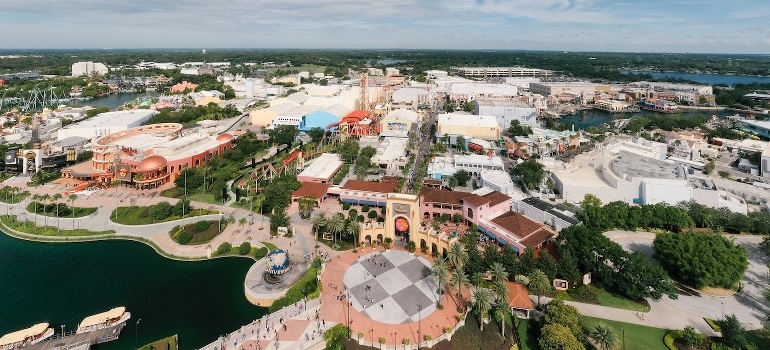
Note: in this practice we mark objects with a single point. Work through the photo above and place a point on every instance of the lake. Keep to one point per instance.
(62, 283)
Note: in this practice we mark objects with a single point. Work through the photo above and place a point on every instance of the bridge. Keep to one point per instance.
(78, 341)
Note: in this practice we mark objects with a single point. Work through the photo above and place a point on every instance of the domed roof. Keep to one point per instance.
(152, 162)
(224, 137)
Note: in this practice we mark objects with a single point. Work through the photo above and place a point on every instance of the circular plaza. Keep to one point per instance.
(386, 295)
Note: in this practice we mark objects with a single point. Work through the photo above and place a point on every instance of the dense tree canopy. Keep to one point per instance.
(626, 216)
(629, 274)
(701, 260)
(530, 172)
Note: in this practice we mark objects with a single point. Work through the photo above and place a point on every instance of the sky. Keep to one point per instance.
(704, 26)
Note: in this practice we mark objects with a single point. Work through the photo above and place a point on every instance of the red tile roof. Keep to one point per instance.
(493, 198)
(538, 237)
(519, 225)
(518, 296)
(432, 195)
(311, 189)
(388, 184)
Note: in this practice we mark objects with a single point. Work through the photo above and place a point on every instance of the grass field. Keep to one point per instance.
(270, 246)
(636, 337)
(168, 343)
(612, 300)
(31, 228)
(136, 215)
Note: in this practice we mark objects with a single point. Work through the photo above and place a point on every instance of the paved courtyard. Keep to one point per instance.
(392, 286)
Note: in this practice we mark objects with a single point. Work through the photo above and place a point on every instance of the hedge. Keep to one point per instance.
(670, 338)
(308, 286)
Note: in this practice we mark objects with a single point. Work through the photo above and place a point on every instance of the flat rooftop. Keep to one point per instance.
(322, 167)
(114, 118)
(391, 148)
(632, 165)
(478, 159)
(468, 120)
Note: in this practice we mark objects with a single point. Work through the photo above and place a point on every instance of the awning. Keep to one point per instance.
(502, 241)
(491, 235)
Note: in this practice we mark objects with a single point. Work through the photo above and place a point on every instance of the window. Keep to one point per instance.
(470, 213)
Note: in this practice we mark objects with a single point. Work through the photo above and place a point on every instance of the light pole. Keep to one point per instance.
(723, 309)
(419, 325)
(136, 333)
(62, 331)
(372, 333)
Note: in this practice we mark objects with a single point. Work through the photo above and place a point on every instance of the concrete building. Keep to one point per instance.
(399, 123)
(631, 178)
(499, 72)
(521, 82)
(460, 93)
(411, 98)
(318, 119)
(371, 193)
(148, 156)
(576, 88)
(89, 68)
(483, 127)
(507, 111)
(757, 127)
(497, 180)
(321, 169)
(391, 155)
(444, 167)
(106, 123)
(434, 74)
(558, 216)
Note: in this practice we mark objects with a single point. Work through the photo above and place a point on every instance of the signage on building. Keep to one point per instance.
(123, 172)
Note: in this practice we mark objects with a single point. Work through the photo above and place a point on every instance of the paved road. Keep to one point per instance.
(748, 305)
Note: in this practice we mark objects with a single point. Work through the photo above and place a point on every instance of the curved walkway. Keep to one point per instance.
(748, 305)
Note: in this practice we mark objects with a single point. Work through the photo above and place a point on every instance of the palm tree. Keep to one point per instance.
(459, 280)
(498, 272)
(502, 309)
(604, 336)
(35, 198)
(45, 198)
(242, 222)
(457, 255)
(336, 225)
(539, 284)
(56, 198)
(354, 228)
(72, 199)
(476, 279)
(482, 303)
(319, 221)
(440, 271)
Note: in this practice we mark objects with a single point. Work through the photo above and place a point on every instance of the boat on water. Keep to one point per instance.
(103, 320)
(26, 337)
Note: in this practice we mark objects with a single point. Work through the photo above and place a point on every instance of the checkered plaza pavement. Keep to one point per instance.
(391, 287)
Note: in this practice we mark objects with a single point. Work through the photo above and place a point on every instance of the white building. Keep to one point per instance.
(521, 82)
(411, 98)
(106, 123)
(391, 155)
(436, 74)
(491, 72)
(321, 169)
(483, 127)
(497, 180)
(506, 111)
(467, 92)
(399, 123)
(444, 167)
(88, 68)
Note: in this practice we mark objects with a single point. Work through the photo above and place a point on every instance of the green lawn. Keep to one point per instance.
(270, 246)
(637, 337)
(31, 228)
(165, 343)
(203, 197)
(613, 300)
(136, 215)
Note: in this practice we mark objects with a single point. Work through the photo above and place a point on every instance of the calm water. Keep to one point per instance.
(64, 283)
(709, 79)
(112, 101)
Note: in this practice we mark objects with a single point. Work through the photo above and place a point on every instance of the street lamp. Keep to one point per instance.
(372, 333)
(419, 325)
(723, 309)
(62, 331)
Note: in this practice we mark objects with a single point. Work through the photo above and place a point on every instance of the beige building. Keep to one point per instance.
(483, 127)
(577, 88)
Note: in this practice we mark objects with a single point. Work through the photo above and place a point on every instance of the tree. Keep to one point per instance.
(604, 336)
(306, 205)
(441, 272)
(160, 211)
(558, 337)
(547, 264)
(516, 129)
(72, 198)
(681, 254)
(335, 337)
(530, 173)
(280, 219)
(557, 312)
(527, 262)
(336, 225)
(733, 334)
(692, 337)
(354, 228)
(244, 248)
(502, 310)
(568, 268)
(56, 198)
(482, 302)
(319, 222)
(498, 272)
(242, 222)
(457, 256)
(539, 284)
(283, 134)
(462, 177)
(459, 280)
(45, 198)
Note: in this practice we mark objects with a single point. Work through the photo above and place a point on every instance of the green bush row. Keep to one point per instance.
(670, 338)
(306, 287)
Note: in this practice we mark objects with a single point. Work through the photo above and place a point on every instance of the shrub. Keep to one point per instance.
(224, 248)
(585, 294)
(372, 214)
(201, 226)
(184, 237)
(365, 208)
(345, 206)
(382, 340)
(670, 338)
(244, 248)
(713, 324)
(411, 246)
(259, 253)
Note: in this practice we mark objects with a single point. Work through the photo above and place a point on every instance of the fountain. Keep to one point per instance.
(278, 263)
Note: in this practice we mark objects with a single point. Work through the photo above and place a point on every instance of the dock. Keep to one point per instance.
(81, 341)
